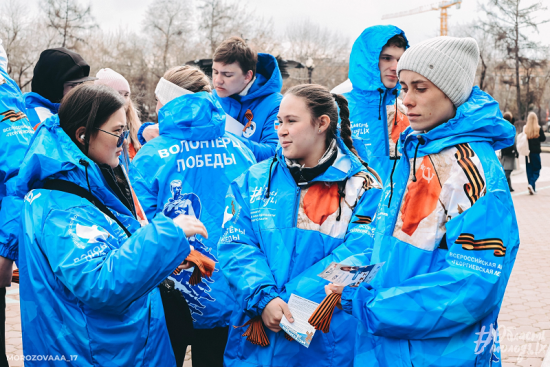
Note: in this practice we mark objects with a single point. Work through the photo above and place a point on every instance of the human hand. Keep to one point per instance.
(190, 225)
(6, 271)
(151, 132)
(333, 288)
(273, 314)
(184, 264)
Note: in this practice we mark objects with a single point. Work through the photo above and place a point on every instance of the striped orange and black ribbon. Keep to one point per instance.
(204, 266)
(12, 116)
(468, 242)
(363, 219)
(474, 188)
(249, 116)
(255, 333)
(322, 316)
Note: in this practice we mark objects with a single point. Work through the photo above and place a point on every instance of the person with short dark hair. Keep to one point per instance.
(248, 86)
(89, 271)
(57, 71)
(372, 95)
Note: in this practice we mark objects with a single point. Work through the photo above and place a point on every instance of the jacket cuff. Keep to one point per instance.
(347, 299)
(8, 253)
(140, 132)
(268, 296)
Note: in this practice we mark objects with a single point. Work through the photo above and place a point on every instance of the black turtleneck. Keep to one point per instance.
(303, 175)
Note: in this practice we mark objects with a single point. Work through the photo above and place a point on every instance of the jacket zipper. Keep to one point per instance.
(296, 204)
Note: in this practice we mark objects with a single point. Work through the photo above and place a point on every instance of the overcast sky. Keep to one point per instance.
(349, 17)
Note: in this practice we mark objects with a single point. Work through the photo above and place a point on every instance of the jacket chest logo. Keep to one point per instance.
(250, 127)
(12, 116)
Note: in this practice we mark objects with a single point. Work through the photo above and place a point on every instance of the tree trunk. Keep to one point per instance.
(483, 72)
(516, 54)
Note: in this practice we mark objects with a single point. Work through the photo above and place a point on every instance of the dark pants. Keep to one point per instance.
(508, 173)
(208, 347)
(3, 359)
(533, 166)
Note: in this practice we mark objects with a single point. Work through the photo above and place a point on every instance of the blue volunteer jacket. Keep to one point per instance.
(278, 237)
(369, 97)
(39, 108)
(88, 290)
(448, 240)
(263, 100)
(16, 133)
(187, 170)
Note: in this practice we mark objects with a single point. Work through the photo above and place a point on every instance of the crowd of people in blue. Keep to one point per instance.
(396, 166)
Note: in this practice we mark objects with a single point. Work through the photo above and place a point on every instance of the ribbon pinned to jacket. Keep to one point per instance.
(320, 318)
(204, 267)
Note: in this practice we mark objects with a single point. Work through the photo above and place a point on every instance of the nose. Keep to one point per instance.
(218, 80)
(408, 100)
(394, 65)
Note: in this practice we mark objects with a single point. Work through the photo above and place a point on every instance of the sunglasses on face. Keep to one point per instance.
(120, 137)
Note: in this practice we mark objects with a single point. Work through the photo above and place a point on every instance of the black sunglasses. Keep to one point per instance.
(120, 137)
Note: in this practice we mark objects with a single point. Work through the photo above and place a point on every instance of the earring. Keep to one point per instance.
(319, 131)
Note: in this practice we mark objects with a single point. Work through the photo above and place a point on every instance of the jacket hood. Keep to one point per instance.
(478, 119)
(363, 63)
(194, 117)
(52, 154)
(33, 100)
(55, 67)
(268, 78)
(345, 166)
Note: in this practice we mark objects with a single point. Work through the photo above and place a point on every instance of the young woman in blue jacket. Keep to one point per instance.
(287, 219)
(89, 292)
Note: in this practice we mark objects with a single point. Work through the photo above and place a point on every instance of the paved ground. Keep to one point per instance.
(525, 316)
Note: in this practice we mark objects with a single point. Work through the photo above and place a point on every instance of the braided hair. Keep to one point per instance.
(319, 102)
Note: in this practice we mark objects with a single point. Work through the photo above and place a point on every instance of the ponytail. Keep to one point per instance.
(320, 102)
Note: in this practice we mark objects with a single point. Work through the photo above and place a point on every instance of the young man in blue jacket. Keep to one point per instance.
(374, 87)
(248, 87)
(15, 138)
(57, 71)
(446, 230)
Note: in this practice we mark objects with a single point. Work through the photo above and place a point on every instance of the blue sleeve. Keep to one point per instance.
(10, 227)
(113, 275)
(140, 132)
(146, 191)
(265, 148)
(355, 250)
(243, 263)
(442, 303)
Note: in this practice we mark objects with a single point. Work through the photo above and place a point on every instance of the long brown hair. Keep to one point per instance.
(134, 123)
(532, 128)
(321, 102)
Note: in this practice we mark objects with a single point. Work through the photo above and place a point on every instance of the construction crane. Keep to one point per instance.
(442, 6)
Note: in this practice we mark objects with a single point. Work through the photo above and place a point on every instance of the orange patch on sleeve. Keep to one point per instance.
(422, 197)
(321, 201)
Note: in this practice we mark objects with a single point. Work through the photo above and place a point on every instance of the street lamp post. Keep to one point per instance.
(310, 66)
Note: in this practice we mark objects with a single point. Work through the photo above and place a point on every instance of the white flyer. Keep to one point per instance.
(301, 310)
(349, 275)
(233, 126)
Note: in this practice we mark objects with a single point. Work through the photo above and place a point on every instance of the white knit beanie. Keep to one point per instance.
(448, 62)
(112, 79)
